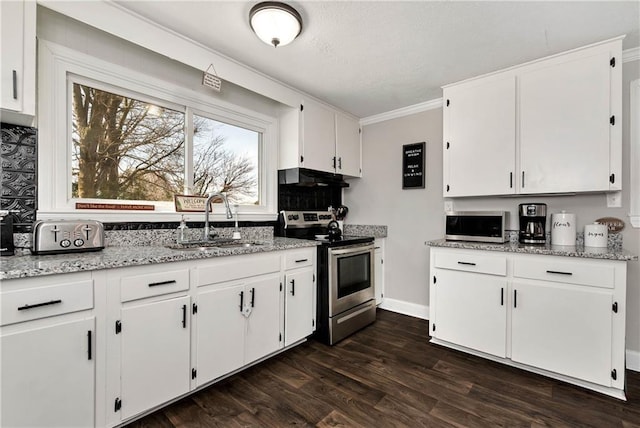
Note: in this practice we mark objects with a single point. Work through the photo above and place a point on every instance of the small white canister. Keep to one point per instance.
(596, 235)
(563, 229)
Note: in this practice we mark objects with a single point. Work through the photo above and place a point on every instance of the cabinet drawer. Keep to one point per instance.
(41, 302)
(153, 284)
(471, 262)
(237, 268)
(299, 258)
(592, 273)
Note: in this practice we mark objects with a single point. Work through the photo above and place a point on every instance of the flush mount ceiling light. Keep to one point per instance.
(275, 23)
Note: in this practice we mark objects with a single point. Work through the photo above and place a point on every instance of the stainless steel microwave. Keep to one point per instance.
(476, 226)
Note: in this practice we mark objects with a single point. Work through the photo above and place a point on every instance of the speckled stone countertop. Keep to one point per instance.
(365, 230)
(122, 256)
(579, 251)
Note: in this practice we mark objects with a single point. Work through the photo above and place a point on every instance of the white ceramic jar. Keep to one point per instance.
(563, 229)
(596, 235)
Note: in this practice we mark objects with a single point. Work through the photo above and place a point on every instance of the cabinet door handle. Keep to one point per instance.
(184, 316)
(155, 284)
(511, 180)
(502, 296)
(37, 305)
(334, 162)
(89, 356)
(515, 298)
(340, 162)
(302, 260)
(253, 297)
(15, 84)
(557, 272)
(466, 263)
(241, 300)
(523, 179)
(293, 287)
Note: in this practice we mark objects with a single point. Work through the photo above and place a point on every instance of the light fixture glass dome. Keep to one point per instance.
(275, 23)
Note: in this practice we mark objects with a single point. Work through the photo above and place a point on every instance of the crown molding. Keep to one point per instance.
(401, 112)
(632, 54)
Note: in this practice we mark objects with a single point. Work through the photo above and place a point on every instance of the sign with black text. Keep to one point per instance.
(413, 166)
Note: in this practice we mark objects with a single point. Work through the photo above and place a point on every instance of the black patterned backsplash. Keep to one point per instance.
(18, 170)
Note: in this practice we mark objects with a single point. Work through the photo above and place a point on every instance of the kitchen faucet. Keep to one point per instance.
(207, 210)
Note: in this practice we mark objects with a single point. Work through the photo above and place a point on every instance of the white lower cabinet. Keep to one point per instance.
(154, 354)
(558, 316)
(300, 293)
(48, 352)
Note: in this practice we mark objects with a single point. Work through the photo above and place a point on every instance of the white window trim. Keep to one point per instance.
(54, 150)
(634, 167)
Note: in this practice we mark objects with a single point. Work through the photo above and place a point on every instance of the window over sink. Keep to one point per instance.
(114, 136)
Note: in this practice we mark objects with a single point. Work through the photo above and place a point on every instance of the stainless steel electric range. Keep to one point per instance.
(345, 272)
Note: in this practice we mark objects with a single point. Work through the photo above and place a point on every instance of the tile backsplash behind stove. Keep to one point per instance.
(18, 173)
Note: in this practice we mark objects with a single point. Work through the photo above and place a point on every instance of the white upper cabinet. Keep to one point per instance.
(319, 138)
(548, 126)
(479, 136)
(18, 66)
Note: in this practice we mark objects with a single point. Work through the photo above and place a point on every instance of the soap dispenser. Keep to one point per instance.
(182, 231)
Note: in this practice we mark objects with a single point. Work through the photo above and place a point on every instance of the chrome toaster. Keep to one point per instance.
(67, 236)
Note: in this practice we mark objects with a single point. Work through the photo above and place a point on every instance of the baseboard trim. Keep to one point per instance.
(405, 308)
(633, 360)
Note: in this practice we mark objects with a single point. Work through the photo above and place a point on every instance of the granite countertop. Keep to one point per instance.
(115, 257)
(365, 230)
(579, 251)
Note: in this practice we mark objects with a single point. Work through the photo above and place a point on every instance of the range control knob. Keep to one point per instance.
(296, 217)
(78, 242)
(65, 243)
(290, 217)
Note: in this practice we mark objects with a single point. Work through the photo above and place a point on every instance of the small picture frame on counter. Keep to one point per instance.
(413, 166)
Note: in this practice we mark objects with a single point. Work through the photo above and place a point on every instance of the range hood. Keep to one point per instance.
(310, 178)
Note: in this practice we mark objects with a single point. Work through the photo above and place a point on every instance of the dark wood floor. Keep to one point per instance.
(388, 375)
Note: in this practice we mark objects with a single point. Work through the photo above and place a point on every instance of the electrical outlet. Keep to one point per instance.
(448, 205)
(614, 200)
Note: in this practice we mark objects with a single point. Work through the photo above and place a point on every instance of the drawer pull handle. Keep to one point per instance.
(557, 272)
(37, 305)
(302, 260)
(466, 263)
(155, 284)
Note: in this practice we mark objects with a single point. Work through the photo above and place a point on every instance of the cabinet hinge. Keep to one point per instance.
(194, 309)
(359, 130)
(612, 120)
(301, 159)
(433, 327)
(313, 323)
(614, 307)
(117, 405)
(614, 374)
(194, 373)
(448, 145)
(118, 327)
(448, 103)
(447, 187)
(301, 107)
(612, 62)
(612, 178)
(360, 170)
(435, 279)
(381, 261)
(314, 277)
(280, 337)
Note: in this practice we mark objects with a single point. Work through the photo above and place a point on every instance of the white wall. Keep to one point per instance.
(415, 216)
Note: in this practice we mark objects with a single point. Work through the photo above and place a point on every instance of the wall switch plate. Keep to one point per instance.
(448, 205)
(614, 200)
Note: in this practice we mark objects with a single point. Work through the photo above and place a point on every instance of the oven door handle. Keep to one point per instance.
(352, 250)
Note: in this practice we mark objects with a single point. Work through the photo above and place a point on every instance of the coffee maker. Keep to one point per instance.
(533, 222)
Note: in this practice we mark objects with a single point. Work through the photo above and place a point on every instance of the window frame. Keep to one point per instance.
(59, 67)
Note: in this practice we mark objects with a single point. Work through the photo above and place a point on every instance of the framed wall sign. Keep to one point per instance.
(413, 166)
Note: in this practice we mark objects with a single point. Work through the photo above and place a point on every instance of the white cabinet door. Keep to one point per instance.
(18, 40)
(564, 126)
(563, 328)
(220, 332)
(48, 376)
(348, 146)
(263, 335)
(471, 310)
(299, 310)
(480, 138)
(154, 354)
(318, 136)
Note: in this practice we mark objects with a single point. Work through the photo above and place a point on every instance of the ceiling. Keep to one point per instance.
(371, 57)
